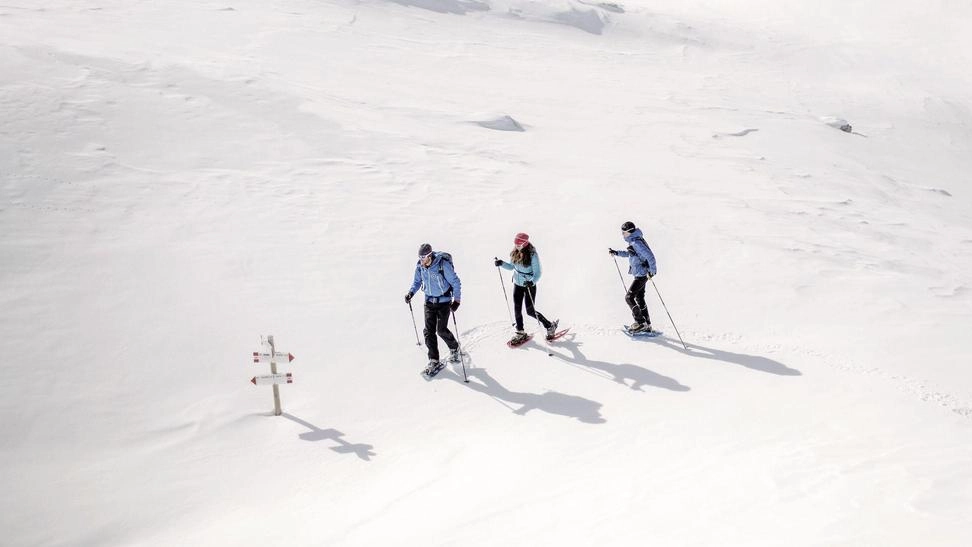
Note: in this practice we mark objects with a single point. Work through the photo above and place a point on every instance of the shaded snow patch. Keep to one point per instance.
(591, 20)
(837, 123)
(941, 191)
(502, 123)
(742, 133)
(458, 7)
(607, 6)
(587, 20)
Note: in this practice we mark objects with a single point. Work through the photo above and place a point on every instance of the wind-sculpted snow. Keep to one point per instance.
(588, 19)
(458, 7)
(501, 123)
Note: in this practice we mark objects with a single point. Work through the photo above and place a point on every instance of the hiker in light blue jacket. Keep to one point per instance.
(525, 264)
(642, 266)
(435, 274)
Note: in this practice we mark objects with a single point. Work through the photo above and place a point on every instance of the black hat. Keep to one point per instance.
(628, 227)
(424, 249)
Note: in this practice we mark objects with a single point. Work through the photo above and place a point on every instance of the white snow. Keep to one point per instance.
(178, 178)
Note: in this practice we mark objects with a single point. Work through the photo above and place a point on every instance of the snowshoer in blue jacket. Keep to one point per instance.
(642, 267)
(435, 274)
(525, 264)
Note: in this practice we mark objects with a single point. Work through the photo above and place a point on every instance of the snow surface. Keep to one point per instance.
(178, 178)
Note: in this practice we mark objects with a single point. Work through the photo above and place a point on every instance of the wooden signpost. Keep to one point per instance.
(271, 355)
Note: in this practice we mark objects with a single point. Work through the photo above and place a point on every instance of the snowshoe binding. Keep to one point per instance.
(432, 369)
(520, 338)
(553, 333)
(640, 330)
(455, 355)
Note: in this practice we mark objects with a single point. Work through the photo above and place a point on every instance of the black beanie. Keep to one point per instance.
(424, 249)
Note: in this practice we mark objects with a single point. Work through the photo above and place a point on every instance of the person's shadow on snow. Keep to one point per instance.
(754, 362)
(551, 402)
(363, 451)
(639, 376)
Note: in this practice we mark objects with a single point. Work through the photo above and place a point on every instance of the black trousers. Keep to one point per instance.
(437, 322)
(519, 294)
(636, 300)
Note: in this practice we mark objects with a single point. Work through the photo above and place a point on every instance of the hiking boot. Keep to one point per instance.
(638, 327)
(455, 356)
(552, 329)
(433, 368)
(519, 337)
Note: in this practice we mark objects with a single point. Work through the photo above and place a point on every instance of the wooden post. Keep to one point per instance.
(273, 370)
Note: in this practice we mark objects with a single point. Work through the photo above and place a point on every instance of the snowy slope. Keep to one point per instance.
(179, 178)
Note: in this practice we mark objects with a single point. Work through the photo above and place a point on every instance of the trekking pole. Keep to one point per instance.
(669, 315)
(621, 277)
(462, 361)
(537, 317)
(414, 326)
(505, 296)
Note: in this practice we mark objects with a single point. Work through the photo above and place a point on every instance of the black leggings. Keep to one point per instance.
(437, 322)
(519, 293)
(636, 300)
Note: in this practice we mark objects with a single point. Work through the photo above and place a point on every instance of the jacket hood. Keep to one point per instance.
(436, 258)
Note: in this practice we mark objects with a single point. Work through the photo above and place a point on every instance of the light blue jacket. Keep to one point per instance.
(439, 281)
(640, 258)
(522, 274)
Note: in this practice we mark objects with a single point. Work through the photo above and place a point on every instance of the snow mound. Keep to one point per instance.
(502, 123)
(590, 20)
(740, 133)
(458, 7)
(837, 123)
(587, 20)
(608, 6)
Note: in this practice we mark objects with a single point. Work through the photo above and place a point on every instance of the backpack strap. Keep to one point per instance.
(642, 240)
(445, 256)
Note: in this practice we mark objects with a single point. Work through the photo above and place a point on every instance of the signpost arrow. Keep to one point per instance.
(287, 378)
(259, 357)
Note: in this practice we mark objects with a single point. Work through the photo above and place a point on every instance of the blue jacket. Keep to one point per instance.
(522, 274)
(439, 280)
(640, 258)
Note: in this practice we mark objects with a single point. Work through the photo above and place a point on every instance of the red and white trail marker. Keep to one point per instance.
(279, 356)
(271, 355)
(286, 378)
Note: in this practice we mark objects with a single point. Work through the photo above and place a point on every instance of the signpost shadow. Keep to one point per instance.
(363, 451)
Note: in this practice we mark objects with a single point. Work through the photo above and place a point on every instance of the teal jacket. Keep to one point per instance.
(522, 274)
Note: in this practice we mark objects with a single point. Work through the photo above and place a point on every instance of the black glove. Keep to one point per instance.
(650, 275)
(528, 283)
(408, 298)
(497, 263)
(455, 305)
(612, 252)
